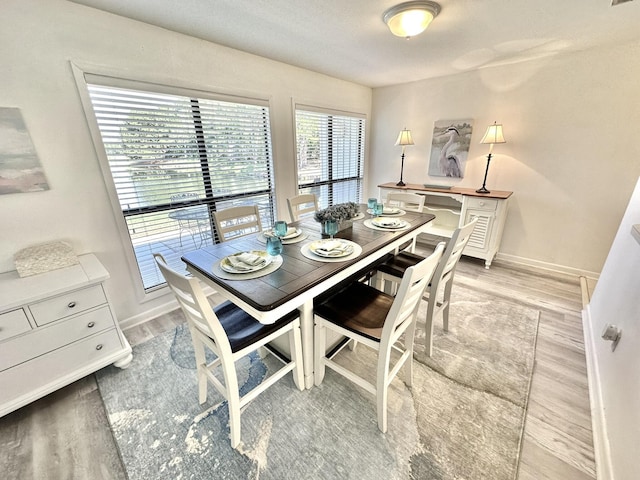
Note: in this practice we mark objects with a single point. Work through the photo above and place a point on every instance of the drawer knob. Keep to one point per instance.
(99, 346)
(71, 304)
(482, 204)
(91, 324)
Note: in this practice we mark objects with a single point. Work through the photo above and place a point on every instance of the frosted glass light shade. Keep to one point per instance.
(410, 18)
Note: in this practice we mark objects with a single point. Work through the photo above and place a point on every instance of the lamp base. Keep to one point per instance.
(401, 184)
(482, 190)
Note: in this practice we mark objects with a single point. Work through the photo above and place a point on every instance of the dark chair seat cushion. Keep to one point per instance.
(242, 329)
(359, 308)
(397, 265)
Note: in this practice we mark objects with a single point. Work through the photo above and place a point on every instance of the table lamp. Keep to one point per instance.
(493, 135)
(404, 139)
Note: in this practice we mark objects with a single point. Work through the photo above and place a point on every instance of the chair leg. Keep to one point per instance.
(201, 367)
(382, 390)
(445, 308)
(319, 347)
(295, 346)
(233, 401)
(428, 328)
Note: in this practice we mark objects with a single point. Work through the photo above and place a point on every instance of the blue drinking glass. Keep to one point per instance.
(331, 228)
(280, 228)
(371, 203)
(378, 209)
(274, 246)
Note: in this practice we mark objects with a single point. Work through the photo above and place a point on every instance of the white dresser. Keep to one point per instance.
(55, 328)
(457, 206)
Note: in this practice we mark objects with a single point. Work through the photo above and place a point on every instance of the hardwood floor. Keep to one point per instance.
(65, 435)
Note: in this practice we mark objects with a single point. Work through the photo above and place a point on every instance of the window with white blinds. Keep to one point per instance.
(174, 159)
(330, 155)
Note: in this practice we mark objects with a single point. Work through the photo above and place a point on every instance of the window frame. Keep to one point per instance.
(84, 77)
(331, 182)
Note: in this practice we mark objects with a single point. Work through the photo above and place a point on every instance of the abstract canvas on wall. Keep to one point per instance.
(449, 148)
(20, 169)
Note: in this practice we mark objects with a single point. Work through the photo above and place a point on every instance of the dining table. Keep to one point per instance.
(295, 277)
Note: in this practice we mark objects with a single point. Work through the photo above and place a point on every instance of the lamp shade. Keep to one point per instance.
(404, 138)
(410, 18)
(494, 134)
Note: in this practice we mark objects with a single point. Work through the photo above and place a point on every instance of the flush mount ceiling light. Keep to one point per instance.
(410, 18)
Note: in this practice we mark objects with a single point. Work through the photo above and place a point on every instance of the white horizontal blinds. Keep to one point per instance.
(151, 145)
(174, 159)
(330, 155)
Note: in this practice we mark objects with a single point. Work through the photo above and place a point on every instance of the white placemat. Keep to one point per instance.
(369, 224)
(303, 236)
(357, 250)
(358, 216)
(275, 264)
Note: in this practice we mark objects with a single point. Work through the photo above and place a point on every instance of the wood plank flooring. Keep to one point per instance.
(66, 436)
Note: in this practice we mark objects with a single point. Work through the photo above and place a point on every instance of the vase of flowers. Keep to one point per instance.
(342, 213)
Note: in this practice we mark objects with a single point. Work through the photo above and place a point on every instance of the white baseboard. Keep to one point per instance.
(552, 267)
(163, 309)
(604, 470)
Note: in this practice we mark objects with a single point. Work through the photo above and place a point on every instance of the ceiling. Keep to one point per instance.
(347, 38)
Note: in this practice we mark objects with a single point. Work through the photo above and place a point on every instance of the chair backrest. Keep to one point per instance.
(301, 205)
(405, 305)
(407, 201)
(237, 221)
(197, 310)
(452, 254)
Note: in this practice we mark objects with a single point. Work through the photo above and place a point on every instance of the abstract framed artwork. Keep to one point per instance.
(20, 169)
(450, 148)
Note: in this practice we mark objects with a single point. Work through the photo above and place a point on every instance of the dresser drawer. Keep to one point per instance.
(477, 203)
(13, 323)
(71, 303)
(59, 334)
(41, 375)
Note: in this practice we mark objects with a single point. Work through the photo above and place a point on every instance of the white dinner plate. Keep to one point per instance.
(346, 249)
(227, 266)
(391, 224)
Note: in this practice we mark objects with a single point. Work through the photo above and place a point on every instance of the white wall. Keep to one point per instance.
(572, 152)
(615, 301)
(40, 38)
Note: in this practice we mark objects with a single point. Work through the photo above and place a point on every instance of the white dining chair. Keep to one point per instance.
(376, 320)
(393, 271)
(235, 222)
(231, 334)
(406, 201)
(302, 205)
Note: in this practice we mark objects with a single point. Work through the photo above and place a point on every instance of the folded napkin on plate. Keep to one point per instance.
(333, 247)
(387, 222)
(290, 231)
(245, 261)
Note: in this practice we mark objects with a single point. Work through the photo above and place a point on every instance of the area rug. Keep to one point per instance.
(462, 419)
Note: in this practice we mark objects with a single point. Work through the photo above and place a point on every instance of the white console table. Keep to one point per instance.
(454, 207)
(55, 328)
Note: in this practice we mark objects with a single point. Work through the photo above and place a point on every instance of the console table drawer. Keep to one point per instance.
(44, 340)
(67, 304)
(482, 203)
(13, 323)
(34, 378)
